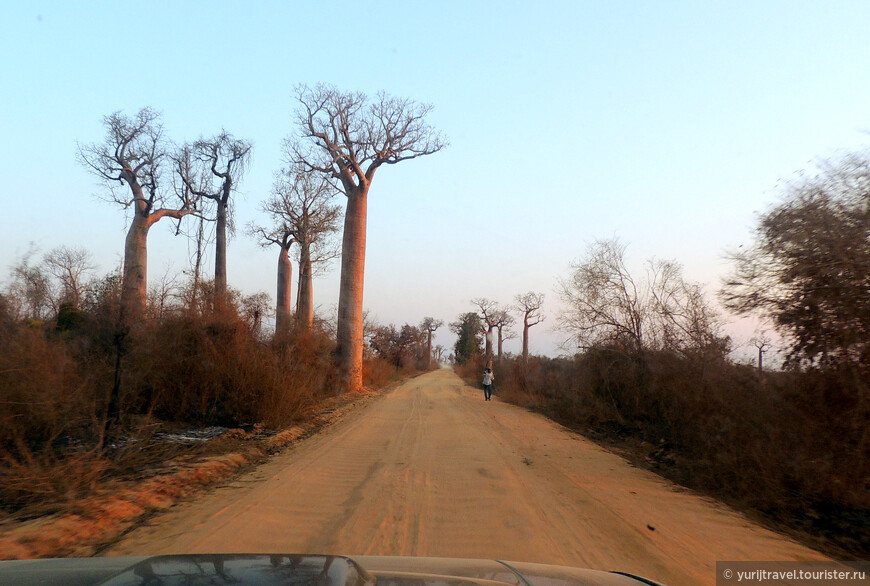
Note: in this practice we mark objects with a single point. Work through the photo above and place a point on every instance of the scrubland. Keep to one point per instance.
(85, 402)
(788, 448)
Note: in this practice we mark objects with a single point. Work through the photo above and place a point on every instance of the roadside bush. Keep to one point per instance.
(213, 371)
(43, 395)
(56, 442)
(792, 446)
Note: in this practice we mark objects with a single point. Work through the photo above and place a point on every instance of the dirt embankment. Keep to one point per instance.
(117, 506)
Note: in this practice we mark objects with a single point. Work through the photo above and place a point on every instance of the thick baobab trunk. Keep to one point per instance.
(350, 300)
(285, 278)
(134, 285)
(488, 337)
(525, 340)
(305, 297)
(429, 349)
(499, 345)
(220, 255)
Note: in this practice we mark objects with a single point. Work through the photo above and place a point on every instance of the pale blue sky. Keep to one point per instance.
(667, 124)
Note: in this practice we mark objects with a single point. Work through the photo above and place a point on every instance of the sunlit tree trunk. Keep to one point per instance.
(350, 303)
(352, 138)
(220, 254)
(285, 278)
(305, 297)
(488, 337)
(134, 284)
(526, 340)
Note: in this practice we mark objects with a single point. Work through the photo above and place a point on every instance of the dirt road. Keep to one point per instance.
(432, 470)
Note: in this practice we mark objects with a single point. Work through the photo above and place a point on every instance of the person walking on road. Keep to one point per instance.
(488, 377)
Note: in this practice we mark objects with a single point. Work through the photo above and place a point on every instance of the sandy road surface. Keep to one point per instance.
(432, 470)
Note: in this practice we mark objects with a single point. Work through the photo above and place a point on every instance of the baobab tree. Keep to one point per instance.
(489, 312)
(529, 304)
(283, 236)
(429, 325)
(302, 211)
(762, 343)
(211, 168)
(503, 323)
(346, 138)
(131, 156)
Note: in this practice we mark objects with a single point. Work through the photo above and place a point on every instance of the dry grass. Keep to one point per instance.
(94, 521)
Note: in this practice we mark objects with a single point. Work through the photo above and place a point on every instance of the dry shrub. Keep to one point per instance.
(185, 368)
(213, 371)
(49, 421)
(46, 481)
(43, 396)
(377, 372)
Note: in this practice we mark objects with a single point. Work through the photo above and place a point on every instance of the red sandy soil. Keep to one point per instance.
(431, 469)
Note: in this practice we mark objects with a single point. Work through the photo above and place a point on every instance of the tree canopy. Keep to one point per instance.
(808, 270)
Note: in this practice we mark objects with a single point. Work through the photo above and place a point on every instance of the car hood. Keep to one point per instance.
(300, 570)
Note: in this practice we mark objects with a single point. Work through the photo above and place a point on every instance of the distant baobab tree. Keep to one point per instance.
(503, 322)
(283, 236)
(762, 343)
(489, 312)
(529, 304)
(346, 137)
(211, 168)
(302, 213)
(131, 156)
(429, 325)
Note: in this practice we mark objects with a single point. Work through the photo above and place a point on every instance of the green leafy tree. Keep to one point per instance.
(468, 343)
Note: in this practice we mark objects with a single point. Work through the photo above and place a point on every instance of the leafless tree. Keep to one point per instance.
(762, 343)
(301, 206)
(255, 308)
(682, 318)
(211, 168)
(488, 312)
(71, 267)
(504, 321)
(439, 353)
(163, 292)
(606, 305)
(429, 325)
(30, 292)
(347, 138)
(529, 304)
(198, 240)
(284, 238)
(129, 162)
